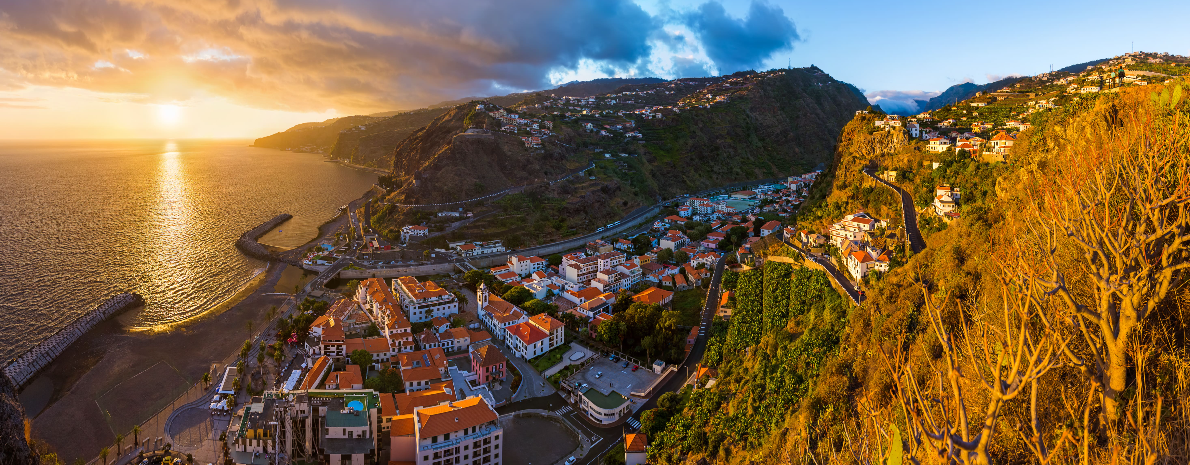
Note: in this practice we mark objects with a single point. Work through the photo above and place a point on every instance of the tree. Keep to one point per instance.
(119, 445)
(665, 256)
(206, 378)
(249, 324)
(351, 287)
(372, 331)
(136, 434)
(1116, 209)
(1002, 362)
(555, 259)
(518, 295)
(260, 361)
(103, 453)
(244, 349)
(681, 257)
(362, 358)
(536, 306)
(474, 277)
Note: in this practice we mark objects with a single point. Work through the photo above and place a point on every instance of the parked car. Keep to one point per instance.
(571, 460)
(612, 357)
(598, 375)
(625, 364)
(634, 367)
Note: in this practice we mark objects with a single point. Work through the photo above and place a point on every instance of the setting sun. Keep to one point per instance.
(169, 115)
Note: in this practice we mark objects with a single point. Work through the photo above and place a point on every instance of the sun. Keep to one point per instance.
(169, 115)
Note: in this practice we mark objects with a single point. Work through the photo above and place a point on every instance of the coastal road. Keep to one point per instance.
(908, 212)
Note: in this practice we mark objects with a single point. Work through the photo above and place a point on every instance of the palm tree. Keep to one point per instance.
(119, 445)
(136, 435)
(260, 361)
(206, 378)
(103, 453)
(249, 326)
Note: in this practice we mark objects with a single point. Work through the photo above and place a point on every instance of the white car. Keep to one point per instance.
(571, 460)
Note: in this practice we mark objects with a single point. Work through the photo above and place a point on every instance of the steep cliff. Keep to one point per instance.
(13, 446)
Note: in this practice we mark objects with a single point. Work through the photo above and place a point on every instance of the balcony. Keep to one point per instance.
(482, 432)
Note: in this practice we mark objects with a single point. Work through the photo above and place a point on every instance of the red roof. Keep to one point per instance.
(527, 333)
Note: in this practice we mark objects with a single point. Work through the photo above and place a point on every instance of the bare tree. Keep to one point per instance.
(1001, 362)
(1118, 206)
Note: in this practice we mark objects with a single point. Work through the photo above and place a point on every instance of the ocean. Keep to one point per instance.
(80, 221)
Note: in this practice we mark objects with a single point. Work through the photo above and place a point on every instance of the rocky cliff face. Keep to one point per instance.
(14, 449)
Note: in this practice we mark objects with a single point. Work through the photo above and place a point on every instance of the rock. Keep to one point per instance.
(14, 447)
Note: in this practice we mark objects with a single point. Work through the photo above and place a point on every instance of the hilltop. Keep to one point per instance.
(644, 142)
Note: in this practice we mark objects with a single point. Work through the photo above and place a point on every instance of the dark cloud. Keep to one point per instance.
(901, 102)
(740, 44)
(363, 55)
(688, 67)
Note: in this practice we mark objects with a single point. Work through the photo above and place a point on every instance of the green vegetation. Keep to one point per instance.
(545, 361)
(646, 332)
(689, 304)
(387, 380)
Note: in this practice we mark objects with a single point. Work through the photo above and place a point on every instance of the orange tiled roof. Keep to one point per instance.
(450, 417)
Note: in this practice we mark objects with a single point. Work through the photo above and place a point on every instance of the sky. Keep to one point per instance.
(89, 69)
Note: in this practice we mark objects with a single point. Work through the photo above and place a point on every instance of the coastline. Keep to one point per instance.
(116, 376)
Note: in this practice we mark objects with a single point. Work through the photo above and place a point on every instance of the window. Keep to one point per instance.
(497, 447)
(497, 437)
(446, 437)
(434, 440)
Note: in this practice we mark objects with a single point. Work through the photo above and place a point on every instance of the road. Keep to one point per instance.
(605, 439)
(908, 211)
(830, 268)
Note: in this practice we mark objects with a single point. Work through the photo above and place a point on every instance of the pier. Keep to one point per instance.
(23, 367)
(247, 243)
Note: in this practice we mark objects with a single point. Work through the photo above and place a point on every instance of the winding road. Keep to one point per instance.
(908, 212)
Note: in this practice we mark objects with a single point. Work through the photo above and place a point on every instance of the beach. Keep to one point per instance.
(113, 378)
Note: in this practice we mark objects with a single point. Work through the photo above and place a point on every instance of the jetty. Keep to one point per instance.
(248, 244)
(22, 368)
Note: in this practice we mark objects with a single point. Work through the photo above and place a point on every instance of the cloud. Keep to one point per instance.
(358, 56)
(740, 44)
(902, 102)
(997, 77)
(684, 67)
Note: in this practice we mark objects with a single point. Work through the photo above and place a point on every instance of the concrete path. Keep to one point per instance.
(574, 348)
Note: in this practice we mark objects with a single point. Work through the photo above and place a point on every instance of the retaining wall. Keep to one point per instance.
(23, 367)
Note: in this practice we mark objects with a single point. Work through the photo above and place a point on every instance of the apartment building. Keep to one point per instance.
(424, 301)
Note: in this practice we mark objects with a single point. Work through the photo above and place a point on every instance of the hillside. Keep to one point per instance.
(371, 144)
(658, 141)
(1040, 371)
(598, 86)
(964, 91)
(312, 137)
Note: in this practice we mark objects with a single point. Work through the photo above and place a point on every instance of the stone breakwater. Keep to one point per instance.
(23, 367)
(249, 246)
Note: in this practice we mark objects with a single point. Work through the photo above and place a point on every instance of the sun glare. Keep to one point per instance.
(169, 115)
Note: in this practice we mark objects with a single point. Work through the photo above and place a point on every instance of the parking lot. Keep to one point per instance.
(615, 377)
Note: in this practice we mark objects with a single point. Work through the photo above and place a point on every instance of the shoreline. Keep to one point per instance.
(98, 387)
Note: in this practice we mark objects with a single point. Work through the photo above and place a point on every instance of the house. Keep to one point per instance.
(497, 313)
(430, 434)
(945, 199)
(1002, 142)
(424, 301)
(428, 339)
(350, 314)
(769, 228)
(328, 337)
(439, 324)
(414, 231)
(526, 340)
(455, 339)
(522, 265)
(377, 346)
(352, 378)
(488, 364)
(394, 405)
(938, 144)
(317, 371)
(654, 295)
(421, 369)
(636, 448)
(860, 262)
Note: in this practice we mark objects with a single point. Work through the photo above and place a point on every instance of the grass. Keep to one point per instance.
(689, 303)
(545, 361)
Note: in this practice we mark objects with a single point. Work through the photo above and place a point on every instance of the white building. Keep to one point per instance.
(424, 301)
(456, 432)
